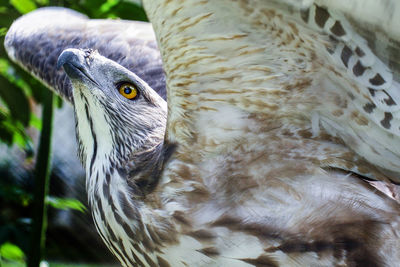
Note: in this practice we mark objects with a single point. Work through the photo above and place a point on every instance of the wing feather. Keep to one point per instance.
(284, 63)
(36, 40)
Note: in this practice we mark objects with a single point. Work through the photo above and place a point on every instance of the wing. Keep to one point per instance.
(375, 21)
(276, 71)
(36, 40)
(270, 123)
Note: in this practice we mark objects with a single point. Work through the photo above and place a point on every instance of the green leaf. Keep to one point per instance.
(59, 101)
(65, 203)
(6, 135)
(104, 8)
(19, 139)
(12, 131)
(23, 6)
(14, 97)
(8, 71)
(11, 252)
(43, 2)
(130, 10)
(35, 122)
(3, 31)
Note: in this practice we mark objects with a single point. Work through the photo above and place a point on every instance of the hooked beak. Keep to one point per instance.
(74, 63)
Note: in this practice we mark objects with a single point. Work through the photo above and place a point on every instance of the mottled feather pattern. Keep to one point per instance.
(347, 99)
(245, 97)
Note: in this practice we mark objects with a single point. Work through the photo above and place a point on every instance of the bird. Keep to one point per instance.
(131, 44)
(278, 115)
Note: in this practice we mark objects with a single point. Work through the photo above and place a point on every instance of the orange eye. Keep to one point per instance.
(128, 90)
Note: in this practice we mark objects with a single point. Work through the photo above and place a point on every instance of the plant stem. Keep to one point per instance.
(42, 173)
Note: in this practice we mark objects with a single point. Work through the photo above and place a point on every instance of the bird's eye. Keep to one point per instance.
(128, 90)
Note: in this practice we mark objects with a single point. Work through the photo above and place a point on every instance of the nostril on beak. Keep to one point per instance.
(70, 56)
(75, 64)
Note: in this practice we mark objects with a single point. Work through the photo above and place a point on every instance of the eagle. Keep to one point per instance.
(280, 116)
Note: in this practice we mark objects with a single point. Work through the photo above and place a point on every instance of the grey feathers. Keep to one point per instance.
(37, 39)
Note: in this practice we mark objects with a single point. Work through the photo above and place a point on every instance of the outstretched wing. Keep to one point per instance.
(36, 40)
(270, 119)
(294, 78)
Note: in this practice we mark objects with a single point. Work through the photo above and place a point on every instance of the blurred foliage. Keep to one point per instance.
(20, 94)
(65, 203)
(15, 201)
(11, 252)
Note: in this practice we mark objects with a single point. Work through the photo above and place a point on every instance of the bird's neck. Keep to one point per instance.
(116, 199)
(115, 196)
(118, 177)
(115, 214)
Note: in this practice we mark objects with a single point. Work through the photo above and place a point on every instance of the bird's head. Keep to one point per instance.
(117, 113)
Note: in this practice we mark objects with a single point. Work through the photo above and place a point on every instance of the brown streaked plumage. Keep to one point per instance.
(277, 112)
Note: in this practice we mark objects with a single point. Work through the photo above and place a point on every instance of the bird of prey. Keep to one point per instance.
(278, 111)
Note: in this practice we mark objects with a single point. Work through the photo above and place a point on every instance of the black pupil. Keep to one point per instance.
(127, 90)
